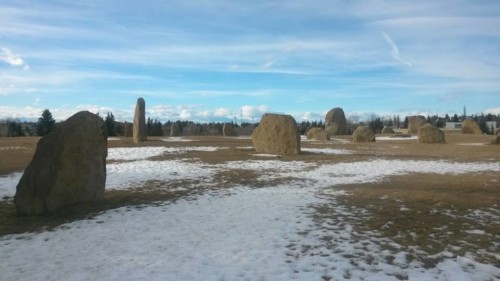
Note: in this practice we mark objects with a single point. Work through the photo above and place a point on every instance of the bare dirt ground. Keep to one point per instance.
(431, 211)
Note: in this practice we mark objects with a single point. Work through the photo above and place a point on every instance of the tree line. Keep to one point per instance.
(46, 122)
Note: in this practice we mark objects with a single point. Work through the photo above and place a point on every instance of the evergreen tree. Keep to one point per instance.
(405, 122)
(376, 125)
(45, 123)
(455, 118)
(110, 124)
(15, 129)
(155, 127)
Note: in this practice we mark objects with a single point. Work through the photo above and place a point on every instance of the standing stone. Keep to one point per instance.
(175, 129)
(317, 134)
(335, 122)
(128, 129)
(415, 122)
(469, 126)
(140, 131)
(4, 130)
(387, 130)
(363, 134)
(496, 139)
(429, 133)
(277, 134)
(69, 166)
(228, 130)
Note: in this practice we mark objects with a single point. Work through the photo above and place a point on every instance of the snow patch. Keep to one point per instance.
(392, 138)
(132, 174)
(8, 184)
(135, 153)
(329, 151)
(177, 139)
(264, 155)
(7, 148)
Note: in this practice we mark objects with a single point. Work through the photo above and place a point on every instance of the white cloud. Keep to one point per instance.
(494, 111)
(253, 112)
(222, 112)
(311, 116)
(395, 50)
(185, 114)
(204, 113)
(12, 59)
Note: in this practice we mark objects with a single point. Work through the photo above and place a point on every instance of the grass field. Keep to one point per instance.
(211, 208)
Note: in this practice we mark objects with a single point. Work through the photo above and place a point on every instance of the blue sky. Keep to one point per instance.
(214, 60)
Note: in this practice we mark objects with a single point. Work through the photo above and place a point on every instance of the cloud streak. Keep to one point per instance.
(395, 50)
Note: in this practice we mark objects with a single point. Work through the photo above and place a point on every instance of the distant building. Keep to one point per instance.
(492, 126)
(453, 126)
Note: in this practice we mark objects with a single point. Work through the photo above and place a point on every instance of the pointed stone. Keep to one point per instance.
(140, 131)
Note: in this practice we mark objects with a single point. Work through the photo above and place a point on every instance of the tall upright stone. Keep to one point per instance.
(415, 123)
(140, 130)
(68, 167)
(335, 122)
(277, 134)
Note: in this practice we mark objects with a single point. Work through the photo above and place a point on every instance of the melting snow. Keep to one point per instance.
(134, 153)
(177, 139)
(330, 151)
(264, 155)
(396, 138)
(8, 184)
(265, 233)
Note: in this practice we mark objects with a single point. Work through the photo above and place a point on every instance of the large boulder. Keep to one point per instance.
(415, 122)
(387, 130)
(317, 134)
(277, 134)
(69, 166)
(469, 126)
(496, 139)
(140, 130)
(363, 134)
(429, 133)
(228, 130)
(335, 122)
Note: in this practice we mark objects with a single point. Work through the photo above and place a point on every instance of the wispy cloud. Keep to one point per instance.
(395, 50)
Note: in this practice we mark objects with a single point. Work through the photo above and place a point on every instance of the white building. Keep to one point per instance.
(453, 126)
(492, 126)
